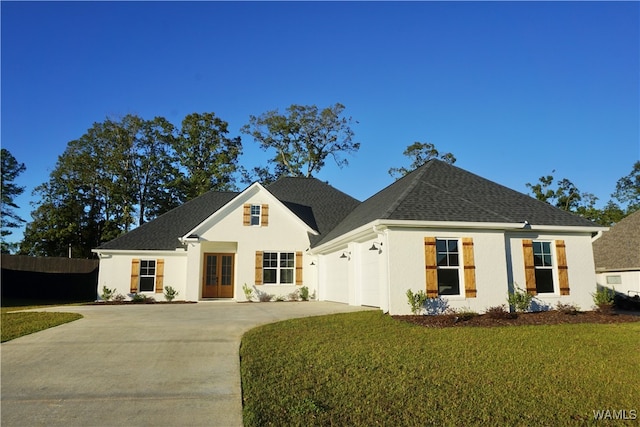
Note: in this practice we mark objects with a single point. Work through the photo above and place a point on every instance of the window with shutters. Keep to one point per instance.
(147, 275)
(448, 264)
(543, 263)
(278, 268)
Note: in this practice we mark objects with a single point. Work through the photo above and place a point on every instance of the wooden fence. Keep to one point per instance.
(47, 278)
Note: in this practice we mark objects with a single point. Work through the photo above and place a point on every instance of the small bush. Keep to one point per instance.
(107, 293)
(499, 312)
(294, 296)
(416, 301)
(465, 314)
(119, 298)
(567, 308)
(603, 299)
(519, 300)
(170, 293)
(304, 293)
(264, 297)
(142, 299)
(280, 298)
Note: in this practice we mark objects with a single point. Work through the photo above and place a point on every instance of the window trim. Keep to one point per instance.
(278, 267)
(460, 267)
(553, 267)
(257, 216)
(154, 276)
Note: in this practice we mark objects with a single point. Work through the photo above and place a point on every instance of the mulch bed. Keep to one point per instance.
(129, 302)
(552, 317)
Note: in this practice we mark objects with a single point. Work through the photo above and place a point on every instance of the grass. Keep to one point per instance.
(364, 368)
(17, 323)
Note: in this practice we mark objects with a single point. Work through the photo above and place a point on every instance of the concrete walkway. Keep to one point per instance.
(146, 365)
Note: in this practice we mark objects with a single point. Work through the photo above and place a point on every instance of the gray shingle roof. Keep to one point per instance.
(318, 204)
(435, 191)
(438, 191)
(619, 248)
(163, 232)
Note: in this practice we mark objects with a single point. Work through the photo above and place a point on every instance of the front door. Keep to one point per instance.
(218, 276)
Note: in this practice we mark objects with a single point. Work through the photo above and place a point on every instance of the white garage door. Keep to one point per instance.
(334, 280)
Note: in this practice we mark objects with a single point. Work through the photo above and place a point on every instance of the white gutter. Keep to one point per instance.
(382, 224)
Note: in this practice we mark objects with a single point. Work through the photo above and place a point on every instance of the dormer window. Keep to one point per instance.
(255, 214)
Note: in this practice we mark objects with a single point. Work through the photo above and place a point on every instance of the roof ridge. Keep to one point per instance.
(419, 172)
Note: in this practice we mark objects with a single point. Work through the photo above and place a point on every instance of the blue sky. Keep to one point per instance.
(514, 90)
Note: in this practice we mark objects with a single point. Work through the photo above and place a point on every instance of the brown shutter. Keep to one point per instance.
(298, 268)
(264, 216)
(431, 266)
(469, 267)
(159, 276)
(529, 267)
(246, 215)
(258, 278)
(563, 272)
(135, 274)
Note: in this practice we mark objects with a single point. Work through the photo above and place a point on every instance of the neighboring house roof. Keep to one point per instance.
(438, 191)
(619, 248)
(316, 203)
(163, 232)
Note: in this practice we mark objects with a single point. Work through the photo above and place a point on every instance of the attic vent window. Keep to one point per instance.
(255, 214)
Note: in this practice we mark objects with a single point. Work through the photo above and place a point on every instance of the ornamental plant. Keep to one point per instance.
(107, 293)
(170, 293)
(519, 300)
(416, 301)
(248, 292)
(603, 299)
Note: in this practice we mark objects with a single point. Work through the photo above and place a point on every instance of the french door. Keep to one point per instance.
(217, 280)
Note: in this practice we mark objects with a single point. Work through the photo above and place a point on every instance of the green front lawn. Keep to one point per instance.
(15, 324)
(365, 368)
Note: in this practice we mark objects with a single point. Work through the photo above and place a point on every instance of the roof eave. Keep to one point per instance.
(380, 224)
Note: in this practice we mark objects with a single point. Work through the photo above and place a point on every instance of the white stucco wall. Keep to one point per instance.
(407, 268)
(115, 272)
(498, 259)
(581, 269)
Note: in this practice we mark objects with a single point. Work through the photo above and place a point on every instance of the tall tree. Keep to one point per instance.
(112, 177)
(420, 153)
(122, 173)
(207, 156)
(302, 139)
(628, 189)
(565, 195)
(9, 219)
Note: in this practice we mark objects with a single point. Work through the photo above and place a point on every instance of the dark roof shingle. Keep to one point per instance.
(438, 191)
(316, 203)
(163, 232)
(619, 248)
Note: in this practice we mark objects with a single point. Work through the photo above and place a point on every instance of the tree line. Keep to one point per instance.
(123, 173)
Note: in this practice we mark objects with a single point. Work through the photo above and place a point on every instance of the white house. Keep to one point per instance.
(617, 256)
(440, 229)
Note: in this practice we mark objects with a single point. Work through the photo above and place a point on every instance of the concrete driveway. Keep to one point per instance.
(142, 365)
